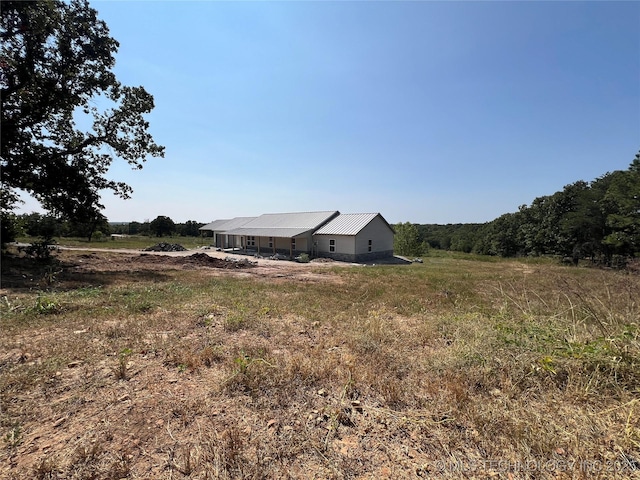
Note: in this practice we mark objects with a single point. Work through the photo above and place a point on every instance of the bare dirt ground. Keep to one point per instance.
(96, 260)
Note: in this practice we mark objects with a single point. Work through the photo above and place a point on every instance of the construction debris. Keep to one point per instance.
(240, 262)
(166, 247)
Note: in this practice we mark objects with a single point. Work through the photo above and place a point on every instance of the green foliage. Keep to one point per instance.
(40, 250)
(88, 227)
(57, 60)
(9, 227)
(120, 370)
(38, 225)
(406, 240)
(189, 229)
(162, 226)
(46, 305)
(598, 220)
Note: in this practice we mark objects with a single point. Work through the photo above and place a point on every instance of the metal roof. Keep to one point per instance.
(348, 224)
(224, 225)
(213, 225)
(268, 232)
(285, 225)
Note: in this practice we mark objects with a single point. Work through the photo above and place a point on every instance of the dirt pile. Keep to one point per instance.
(197, 260)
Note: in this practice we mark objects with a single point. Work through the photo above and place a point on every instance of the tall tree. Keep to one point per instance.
(622, 204)
(56, 61)
(161, 226)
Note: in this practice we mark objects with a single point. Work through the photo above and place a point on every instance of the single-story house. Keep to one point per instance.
(285, 233)
(357, 237)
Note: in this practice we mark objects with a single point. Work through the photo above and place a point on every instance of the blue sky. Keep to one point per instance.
(428, 112)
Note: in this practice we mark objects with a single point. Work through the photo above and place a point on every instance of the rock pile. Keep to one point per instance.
(240, 262)
(166, 247)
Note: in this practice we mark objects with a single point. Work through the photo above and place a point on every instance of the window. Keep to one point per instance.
(251, 241)
(370, 244)
(293, 244)
(270, 242)
(332, 245)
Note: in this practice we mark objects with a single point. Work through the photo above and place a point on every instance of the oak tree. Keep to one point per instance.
(65, 116)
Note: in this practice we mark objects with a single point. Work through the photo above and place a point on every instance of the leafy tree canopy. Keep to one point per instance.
(406, 240)
(597, 220)
(56, 60)
(162, 226)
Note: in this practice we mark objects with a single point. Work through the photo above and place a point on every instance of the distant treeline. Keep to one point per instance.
(158, 227)
(596, 220)
(49, 226)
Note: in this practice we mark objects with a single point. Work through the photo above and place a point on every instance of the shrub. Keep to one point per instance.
(303, 258)
(40, 250)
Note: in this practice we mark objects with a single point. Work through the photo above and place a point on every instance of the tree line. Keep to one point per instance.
(597, 220)
(47, 227)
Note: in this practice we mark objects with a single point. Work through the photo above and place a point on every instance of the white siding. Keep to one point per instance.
(343, 243)
(380, 235)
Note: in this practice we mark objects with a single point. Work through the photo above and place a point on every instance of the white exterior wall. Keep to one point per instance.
(380, 235)
(302, 244)
(345, 244)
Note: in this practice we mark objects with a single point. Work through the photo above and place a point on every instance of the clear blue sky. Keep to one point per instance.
(428, 112)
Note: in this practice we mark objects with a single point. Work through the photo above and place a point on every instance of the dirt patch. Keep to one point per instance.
(198, 260)
(71, 268)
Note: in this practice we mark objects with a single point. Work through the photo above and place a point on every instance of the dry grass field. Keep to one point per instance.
(130, 366)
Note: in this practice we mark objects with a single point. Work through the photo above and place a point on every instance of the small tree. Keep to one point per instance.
(407, 240)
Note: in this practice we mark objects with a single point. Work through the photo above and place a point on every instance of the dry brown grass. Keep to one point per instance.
(449, 369)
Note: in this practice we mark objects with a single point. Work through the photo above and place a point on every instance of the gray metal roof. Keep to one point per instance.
(283, 225)
(348, 224)
(268, 232)
(213, 225)
(224, 225)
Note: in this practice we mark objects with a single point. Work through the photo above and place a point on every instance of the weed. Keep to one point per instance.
(13, 437)
(50, 276)
(250, 374)
(46, 305)
(236, 320)
(46, 469)
(185, 460)
(120, 369)
(89, 291)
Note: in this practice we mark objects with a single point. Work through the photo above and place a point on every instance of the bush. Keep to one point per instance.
(40, 250)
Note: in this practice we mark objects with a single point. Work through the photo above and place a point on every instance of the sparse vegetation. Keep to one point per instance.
(447, 369)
